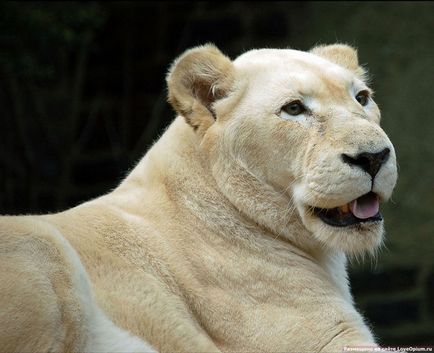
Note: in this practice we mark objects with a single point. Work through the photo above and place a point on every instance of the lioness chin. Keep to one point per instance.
(231, 234)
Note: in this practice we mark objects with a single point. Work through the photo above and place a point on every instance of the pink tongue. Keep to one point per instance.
(365, 206)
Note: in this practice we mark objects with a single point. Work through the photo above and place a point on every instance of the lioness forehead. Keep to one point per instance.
(289, 61)
(302, 73)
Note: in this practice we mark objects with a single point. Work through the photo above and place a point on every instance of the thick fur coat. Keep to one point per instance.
(220, 238)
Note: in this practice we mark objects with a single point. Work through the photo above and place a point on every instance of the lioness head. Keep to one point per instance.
(292, 138)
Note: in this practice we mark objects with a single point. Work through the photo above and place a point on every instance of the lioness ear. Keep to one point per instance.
(197, 79)
(341, 54)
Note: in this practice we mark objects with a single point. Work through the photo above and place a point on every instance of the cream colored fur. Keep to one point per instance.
(209, 244)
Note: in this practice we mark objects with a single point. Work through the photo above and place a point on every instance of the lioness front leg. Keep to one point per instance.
(46, 302)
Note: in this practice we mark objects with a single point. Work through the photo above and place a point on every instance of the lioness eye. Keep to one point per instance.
(362, 97)
(294, 108)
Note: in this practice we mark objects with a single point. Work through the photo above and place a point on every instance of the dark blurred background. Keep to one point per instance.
(83, 96)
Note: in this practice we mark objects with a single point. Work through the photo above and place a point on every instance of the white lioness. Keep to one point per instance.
(231, 234)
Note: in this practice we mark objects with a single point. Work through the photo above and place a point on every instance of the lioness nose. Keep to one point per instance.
(369, 162)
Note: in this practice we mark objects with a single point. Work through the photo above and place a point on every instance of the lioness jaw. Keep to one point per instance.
(231, 234)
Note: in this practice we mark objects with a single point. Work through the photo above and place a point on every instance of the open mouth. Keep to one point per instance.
(366, 208)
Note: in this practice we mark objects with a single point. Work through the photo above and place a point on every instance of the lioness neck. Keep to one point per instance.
(178, 166)
(237, 206)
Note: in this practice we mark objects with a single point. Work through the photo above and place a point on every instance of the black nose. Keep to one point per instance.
(369, 162)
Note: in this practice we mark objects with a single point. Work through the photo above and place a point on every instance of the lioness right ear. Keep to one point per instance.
(197, 79)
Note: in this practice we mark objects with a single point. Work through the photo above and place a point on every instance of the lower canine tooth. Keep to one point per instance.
(345, 208)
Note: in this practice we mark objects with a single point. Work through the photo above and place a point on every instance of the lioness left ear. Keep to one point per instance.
(197, 79)
(341, 54)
